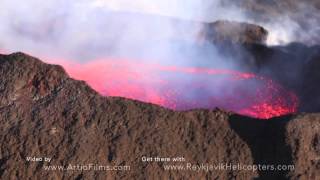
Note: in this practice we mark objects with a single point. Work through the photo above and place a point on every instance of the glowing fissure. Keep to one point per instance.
(183, 88)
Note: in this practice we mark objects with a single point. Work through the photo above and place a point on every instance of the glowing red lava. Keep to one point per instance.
(187, 88)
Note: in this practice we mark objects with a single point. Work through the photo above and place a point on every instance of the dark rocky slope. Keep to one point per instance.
(44, 113)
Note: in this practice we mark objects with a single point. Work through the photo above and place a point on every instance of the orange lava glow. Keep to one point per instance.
(182, 88)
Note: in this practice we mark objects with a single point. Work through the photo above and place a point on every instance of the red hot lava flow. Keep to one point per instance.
(183, 88)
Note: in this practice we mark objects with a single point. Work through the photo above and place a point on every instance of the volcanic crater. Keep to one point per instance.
(185, 88)
(45, 113)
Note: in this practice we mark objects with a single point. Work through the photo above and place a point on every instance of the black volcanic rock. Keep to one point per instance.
(310, 86)
(45, 113)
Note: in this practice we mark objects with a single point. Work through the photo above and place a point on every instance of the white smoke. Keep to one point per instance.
(295, 22)
(87, 29)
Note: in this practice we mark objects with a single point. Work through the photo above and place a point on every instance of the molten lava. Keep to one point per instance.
(182, 88)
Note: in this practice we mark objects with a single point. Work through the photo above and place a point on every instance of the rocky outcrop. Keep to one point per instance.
(235, 32)
(45, 113)
(303, 137)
